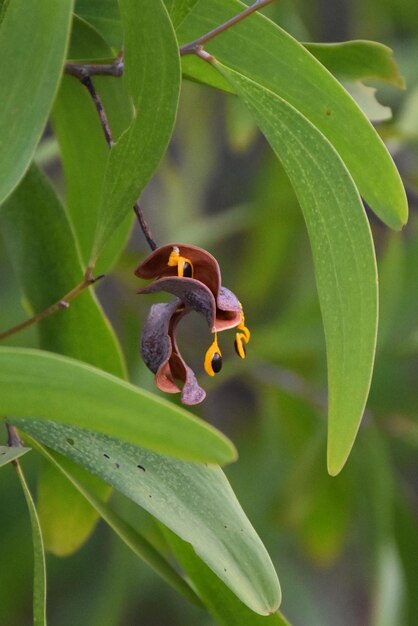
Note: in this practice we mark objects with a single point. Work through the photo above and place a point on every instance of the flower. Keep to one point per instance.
(192, 275)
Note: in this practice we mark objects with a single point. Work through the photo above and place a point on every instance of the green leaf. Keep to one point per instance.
(84, 149)
(86, 43)
(138, 544)
(152, 75)
(343, 253)
(104, 16)
(72, 392)
(39, 566)
(194, 501)
(265, 53)
(33, 42)
(358, 60)
(10, 453)
(44, 253)
(179, 9)
(67, 520)
(224, 606)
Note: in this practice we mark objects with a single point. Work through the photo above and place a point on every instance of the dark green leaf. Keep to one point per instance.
(104, 16)
(179, 9)
(33, 42)
(343, 252)
(72, 392)
(194, 501)
(138, 544)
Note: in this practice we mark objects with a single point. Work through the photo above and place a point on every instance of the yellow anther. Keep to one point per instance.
(242, 337)
(213, 358)
(184, 266)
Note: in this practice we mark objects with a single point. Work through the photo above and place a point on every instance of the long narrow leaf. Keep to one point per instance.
(343, 252)
(266, 54)
(72, 392)
(152, 74)
(138, 544)
(39, 565)
(33, 42)
(194, 501)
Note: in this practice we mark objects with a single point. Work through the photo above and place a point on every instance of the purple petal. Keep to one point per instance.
(156, 347)
(194, 294)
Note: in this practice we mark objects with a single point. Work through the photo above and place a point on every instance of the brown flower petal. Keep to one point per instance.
(205, 266)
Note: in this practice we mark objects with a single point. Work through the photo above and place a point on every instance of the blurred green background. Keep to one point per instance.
(345, 548)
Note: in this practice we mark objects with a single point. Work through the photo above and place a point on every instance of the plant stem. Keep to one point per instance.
(85, 79)
(13, 439)
(193, 47)
(63, 303)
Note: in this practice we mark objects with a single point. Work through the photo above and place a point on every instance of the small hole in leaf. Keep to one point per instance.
(117, 465)
(70, 441)
(141, 467)
(106, 456)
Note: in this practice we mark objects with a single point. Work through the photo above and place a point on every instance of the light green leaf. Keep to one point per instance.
(72, 392)
(152, 75)
(138, 544)
(194, 501)
(226, 608)
(10, 453)
(67, 519)
(343, 252)
(358, 60)
(33, 42)
(265, 53)
(39, 565)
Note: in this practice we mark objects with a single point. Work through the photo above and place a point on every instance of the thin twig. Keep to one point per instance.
(13, 439)
(62, 303)
(81, 70)
(196, 45)
(104, 122)
(88, 83)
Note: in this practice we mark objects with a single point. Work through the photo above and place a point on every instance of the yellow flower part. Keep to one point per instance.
(213, 358)
(242, 337)
(184, 266)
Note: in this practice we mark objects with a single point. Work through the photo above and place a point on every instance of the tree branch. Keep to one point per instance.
(195, 46)
(63, 303)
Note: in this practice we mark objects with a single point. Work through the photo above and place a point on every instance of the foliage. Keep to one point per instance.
(260, 148)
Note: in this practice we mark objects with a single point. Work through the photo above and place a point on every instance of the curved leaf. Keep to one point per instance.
(72, 392)
(39, 565)
(194, 501)
(226, 608)
(136, 542)
(343, 251)
(152, 75)
(33, 42)
(358, 60)
(265, 53)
